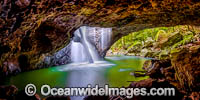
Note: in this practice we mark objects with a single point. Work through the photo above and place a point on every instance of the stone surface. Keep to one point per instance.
(156, 43)
(38, 29)
(11, 93)
(187, 68)
(61, 57)
(8, 92)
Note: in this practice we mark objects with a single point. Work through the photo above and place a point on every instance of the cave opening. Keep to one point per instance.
(155, 42)
(94, 57)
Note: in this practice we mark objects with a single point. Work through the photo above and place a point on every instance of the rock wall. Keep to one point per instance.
(99, 37)
(187, 68)
(30, 30)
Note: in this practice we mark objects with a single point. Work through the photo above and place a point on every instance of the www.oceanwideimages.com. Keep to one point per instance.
(46, 90)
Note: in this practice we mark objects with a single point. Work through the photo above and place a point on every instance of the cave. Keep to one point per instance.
(23, 62)
(78, 43)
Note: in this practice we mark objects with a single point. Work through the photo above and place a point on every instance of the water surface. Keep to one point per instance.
(114, 71)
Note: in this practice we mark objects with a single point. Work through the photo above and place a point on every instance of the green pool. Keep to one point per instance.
(114, 71)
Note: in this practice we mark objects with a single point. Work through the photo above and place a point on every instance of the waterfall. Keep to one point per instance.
(105, 38)
(77, 52)
(88, 42)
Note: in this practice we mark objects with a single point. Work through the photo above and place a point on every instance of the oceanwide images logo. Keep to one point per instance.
(46, 90)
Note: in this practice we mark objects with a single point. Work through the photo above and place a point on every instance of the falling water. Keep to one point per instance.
(105, 38)
(86, 46)
(77, 52)
(88, 42)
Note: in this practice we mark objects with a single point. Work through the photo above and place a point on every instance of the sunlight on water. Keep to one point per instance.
(119, 75)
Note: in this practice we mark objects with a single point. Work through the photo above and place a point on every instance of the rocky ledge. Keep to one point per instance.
(169, 73)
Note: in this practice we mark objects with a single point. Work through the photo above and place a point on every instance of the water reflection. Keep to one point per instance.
(115, 72)
(83, 77)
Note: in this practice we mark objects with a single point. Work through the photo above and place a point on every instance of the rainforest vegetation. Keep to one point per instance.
(156, 42)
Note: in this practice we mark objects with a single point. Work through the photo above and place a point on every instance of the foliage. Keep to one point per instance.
(155, 42)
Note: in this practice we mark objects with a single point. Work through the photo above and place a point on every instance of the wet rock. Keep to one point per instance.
(11, 67)
(144, 83)
(22, 3)
(8, 92)
(155, 68)
(181, 72)
(171, 40)
(195, 96)
(51, 23)
(2, 22)
(186, 64)
(192, 96)
(12, 93)
(169, 74)
(147, 65)
(138, 73)
(61, 57)
(161, 69)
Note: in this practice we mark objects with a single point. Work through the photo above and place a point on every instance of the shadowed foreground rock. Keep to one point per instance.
(12, 93)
